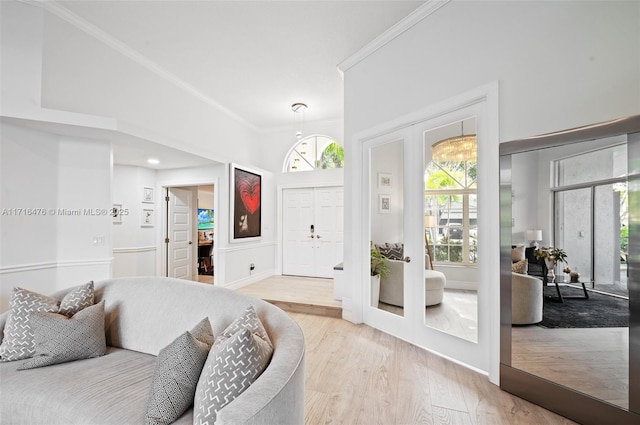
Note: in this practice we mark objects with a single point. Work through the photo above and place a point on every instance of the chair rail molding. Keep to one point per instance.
(19, 268)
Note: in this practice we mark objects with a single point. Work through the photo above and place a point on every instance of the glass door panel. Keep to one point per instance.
(451, 230)
(387, 227)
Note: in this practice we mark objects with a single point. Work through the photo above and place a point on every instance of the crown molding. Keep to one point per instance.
(425, 10)
(83, 25)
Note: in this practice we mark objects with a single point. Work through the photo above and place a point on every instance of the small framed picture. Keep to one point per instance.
(384, 204)
(147, 195)
(384, 180)
(148, 217)
(116, 213)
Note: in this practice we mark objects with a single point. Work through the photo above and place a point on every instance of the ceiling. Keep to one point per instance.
(253, 58)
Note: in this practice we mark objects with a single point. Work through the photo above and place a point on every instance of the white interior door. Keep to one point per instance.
(180, 246)
(313, 231)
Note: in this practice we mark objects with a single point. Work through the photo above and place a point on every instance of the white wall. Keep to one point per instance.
(134, 247)
(69, 181)
(83, 74)
(553, 60)
(387, 159)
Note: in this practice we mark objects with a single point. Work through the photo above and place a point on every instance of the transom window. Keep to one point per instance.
(451, 208)
(314, 152)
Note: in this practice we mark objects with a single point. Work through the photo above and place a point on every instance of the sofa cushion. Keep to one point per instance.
(17, 342)
(59, 339)
(238, 356)
(517, 254)
(392, 251)
(176, 374)
(519, 267)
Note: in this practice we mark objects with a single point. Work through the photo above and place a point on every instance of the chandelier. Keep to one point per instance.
(455, 149)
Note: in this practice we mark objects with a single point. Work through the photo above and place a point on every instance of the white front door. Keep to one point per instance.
(180, 246)
(313, 231)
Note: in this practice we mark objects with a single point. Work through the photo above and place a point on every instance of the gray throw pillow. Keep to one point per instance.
(59, 339)
(17, 342)
(78, 298)
(238, 357)
(176, 374)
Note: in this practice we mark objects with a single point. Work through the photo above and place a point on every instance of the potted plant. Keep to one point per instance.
(551, 257)
(379, 269)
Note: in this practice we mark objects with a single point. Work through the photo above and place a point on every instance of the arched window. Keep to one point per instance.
(314, 152)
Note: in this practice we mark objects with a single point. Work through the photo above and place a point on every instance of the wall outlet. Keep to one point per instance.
(98, 241)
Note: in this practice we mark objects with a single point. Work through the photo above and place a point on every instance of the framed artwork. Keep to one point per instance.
(116, 213)
(384, 204)
(147, 195)
(246, 195)
(384, 180)
(148, 217)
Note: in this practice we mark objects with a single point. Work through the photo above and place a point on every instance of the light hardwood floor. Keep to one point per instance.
(358, 375)
(594, 361)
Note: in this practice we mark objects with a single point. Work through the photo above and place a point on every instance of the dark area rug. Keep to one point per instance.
(599, 311)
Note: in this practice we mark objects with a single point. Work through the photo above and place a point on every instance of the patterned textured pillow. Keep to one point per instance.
(238, 356)
(76, 299)
(248, 320)
(520, 267)
(392, 251)
(517, 254)
(17, 342)
(231, 367)
(59, 339)
(176, 374)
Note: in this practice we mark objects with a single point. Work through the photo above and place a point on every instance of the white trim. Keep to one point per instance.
(425, 10)
(19, 268)
(122, 48)
(131, 250)
(236, 248)
(246, 281)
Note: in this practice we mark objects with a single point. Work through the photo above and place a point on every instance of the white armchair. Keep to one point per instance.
(392, 286)
(526, 299)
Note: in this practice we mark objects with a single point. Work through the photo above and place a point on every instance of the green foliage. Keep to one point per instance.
(379, 264)
(332, 157)
(554, 254)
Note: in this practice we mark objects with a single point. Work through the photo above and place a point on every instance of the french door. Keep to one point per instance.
(394, 179)
(313, 231)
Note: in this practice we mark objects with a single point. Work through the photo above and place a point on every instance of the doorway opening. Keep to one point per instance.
(189, 234)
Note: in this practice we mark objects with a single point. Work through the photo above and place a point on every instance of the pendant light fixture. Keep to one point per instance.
(455, 149)
(299, 109)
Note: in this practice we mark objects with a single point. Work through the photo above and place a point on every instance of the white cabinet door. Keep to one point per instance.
(313, 231)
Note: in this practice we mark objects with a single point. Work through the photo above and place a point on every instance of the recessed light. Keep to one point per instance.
(153, 161)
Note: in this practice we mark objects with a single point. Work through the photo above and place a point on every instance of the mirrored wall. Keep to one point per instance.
(567, 331)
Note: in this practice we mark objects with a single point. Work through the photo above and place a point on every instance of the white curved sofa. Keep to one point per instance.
(143, 315)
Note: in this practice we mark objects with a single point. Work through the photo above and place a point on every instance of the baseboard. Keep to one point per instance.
(241, 283)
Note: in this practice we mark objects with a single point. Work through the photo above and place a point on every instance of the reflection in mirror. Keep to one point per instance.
(577, 195)
(451, 230)
(387, 227)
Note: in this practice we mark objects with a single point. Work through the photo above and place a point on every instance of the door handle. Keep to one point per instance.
(311, 236)
(190, 242)
(318, 236)
(407, 259)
